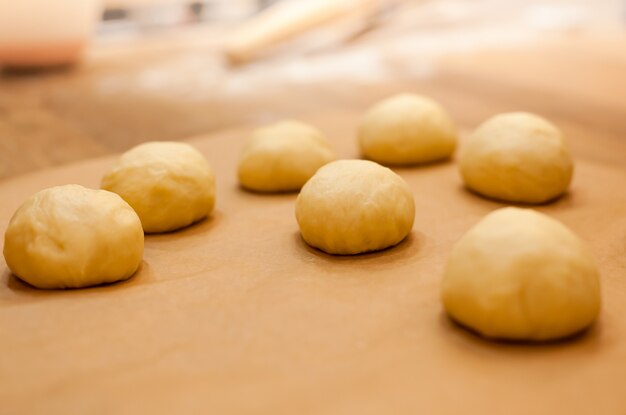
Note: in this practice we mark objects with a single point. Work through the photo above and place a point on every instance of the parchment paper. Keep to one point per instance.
(237, 315)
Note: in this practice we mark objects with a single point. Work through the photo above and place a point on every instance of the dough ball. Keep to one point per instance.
(70, 237)
(354, 206)
(518, 274)
(282, 157)
(170, 185)
(517, 157)
(407, 129)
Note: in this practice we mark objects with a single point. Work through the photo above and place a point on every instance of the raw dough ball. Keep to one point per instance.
(354, 206)
(407, 129)
(518, 274)
(517, 157)
(170, 185)
(282, 157)
(71, 237)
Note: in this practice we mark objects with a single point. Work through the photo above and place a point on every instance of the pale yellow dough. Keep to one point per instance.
(169, 184)
(407, 129)
(282, 157)
(71, 237)
(354, 206)
(517, 157)
(518, 274)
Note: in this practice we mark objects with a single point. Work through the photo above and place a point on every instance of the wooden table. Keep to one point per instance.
(173, 85)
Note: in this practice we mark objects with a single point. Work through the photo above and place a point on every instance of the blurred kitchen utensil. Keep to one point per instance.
(286, 20)
(40, 33)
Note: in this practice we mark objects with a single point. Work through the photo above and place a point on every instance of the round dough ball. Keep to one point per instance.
(282, 157)
(517, 157)
(70, 237)
(170, 185)
(354, 206)
(407, 129)
(519, 274)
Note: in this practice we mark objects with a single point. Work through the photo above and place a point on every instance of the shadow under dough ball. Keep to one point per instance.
(354, 206)
(70, 237)
(516, 157)
(169, 184)
(521, 275)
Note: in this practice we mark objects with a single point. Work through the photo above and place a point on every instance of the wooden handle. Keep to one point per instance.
(285, 20)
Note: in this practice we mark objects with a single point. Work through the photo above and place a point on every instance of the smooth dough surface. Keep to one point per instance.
(407, 129)
(169, 184)
(354, 206)
(70, 237)
(517, 157)
(519, 274)
(282, 157)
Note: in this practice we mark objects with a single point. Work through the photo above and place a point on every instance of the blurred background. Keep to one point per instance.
(85, 78)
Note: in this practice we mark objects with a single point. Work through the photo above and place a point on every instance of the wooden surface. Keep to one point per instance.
(237, 315)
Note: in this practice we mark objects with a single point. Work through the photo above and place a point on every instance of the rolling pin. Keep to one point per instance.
(288, 19)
